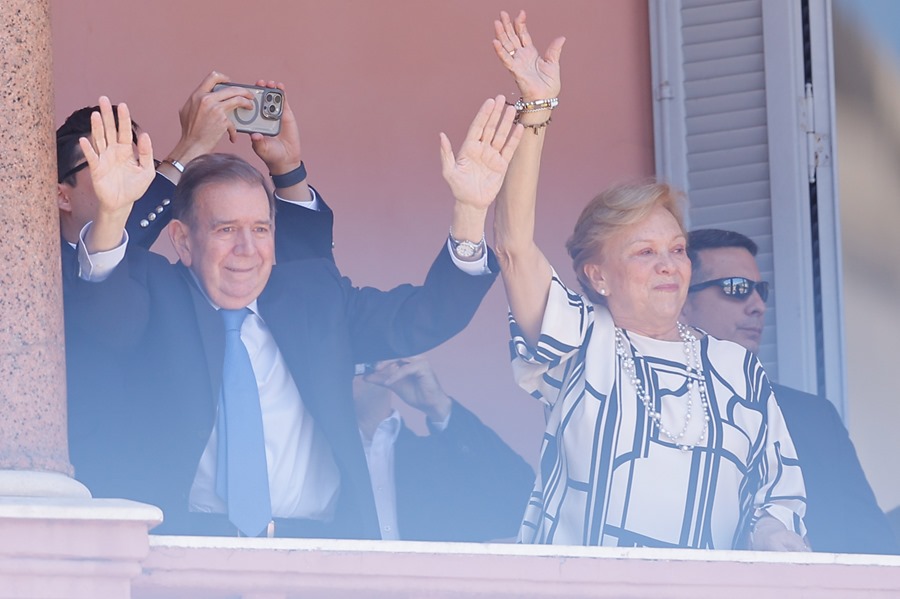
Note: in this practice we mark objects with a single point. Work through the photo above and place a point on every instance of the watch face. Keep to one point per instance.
(466, 249)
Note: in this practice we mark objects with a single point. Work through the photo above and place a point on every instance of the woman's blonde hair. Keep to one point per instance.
(611, 211)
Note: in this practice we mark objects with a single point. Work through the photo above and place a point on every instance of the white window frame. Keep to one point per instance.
(801, 138)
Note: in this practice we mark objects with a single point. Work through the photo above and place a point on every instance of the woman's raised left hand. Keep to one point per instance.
(536, 76)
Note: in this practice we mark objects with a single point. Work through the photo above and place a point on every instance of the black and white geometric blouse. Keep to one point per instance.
(608, 477)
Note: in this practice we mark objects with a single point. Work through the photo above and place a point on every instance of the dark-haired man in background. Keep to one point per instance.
(727, 299)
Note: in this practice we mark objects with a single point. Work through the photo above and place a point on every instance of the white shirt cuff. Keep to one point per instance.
(166, 177)
(476, 268)
(442, 425)
(98, 266)
(311, 204)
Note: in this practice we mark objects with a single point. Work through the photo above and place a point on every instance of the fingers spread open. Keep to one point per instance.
(447, 158)
(104, 133)
(506, 123)
(145, 151)
(490, 126)
(512, 142)
(476, 129)
(521, 30)
(502, 53)
(554, 51)
(88, 150)
(123, 134)
(505, 32)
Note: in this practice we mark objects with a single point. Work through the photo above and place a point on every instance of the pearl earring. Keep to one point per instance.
(603, 292)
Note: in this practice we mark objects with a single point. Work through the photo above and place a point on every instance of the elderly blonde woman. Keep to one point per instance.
(658, 434)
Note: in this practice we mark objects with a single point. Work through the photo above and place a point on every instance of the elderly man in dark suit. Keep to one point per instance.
(278, 454)
(727, 299)
(98, 419)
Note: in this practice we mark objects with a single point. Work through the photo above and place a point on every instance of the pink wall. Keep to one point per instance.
(373, 83)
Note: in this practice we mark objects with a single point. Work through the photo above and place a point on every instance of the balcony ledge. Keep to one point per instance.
(219, 568)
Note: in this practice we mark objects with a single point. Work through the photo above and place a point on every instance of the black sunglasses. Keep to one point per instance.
(736, 287)
(83, 165)
(78, 167)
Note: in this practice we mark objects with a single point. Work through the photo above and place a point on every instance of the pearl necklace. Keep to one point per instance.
(695, 372)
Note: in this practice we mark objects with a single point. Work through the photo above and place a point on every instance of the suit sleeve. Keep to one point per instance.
(302, 233)
(843, 513)
(870, 531)
(150, 214)
(462, 484)
(409, 320)
(115, 312)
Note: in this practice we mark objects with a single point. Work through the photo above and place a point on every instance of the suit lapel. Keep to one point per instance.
(288, 321)
(212, 333)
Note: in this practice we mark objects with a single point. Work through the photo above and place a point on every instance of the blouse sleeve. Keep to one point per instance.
(781, 494)
(541, 369)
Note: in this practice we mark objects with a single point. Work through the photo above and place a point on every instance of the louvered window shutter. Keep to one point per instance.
(731, 122)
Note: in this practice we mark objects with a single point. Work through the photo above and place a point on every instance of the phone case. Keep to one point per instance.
(265, 116)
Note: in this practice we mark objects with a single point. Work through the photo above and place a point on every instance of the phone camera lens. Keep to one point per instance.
(278, 99)
(268, 97)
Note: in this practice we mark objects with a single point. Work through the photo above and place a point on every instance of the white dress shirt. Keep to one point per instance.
(380, 461)
(303, 477)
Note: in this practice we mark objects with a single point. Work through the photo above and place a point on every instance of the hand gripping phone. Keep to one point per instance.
(265, 116)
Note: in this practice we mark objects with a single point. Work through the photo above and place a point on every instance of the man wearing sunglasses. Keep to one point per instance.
(727, 299)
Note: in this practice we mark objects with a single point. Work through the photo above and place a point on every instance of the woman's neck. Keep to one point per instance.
(664, 331)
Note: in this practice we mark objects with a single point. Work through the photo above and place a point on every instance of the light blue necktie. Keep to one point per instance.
(242, 480)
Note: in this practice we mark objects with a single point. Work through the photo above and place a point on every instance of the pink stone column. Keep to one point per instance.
(32, 351)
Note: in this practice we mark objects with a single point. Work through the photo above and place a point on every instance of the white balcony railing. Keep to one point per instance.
(217, 568)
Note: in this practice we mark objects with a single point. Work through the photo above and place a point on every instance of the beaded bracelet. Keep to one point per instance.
(290, 178)
(537, 126)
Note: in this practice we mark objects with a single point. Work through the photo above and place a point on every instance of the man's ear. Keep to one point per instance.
(63, 202)
(594, 274)
(179, 234)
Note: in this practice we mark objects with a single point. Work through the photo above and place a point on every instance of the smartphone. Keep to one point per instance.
(265, 116)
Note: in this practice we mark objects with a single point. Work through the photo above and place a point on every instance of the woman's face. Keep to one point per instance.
(645, 273)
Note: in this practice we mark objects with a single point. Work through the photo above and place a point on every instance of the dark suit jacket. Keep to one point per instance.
(171, 343)
(460, 484)
(842, 514)
(100, 422)
(151, 213)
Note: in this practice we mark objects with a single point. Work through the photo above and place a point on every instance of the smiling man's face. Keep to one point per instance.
(229, 243)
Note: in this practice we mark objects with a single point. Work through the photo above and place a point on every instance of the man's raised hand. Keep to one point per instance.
(476, 173)
(120, 175)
